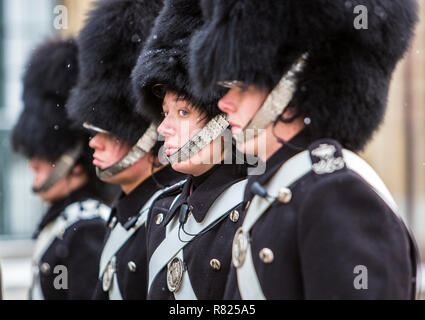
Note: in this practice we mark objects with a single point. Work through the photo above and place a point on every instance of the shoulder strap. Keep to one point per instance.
(77, 211)
(119, 237)
(86, 210)
(174, 242)
(291, 171)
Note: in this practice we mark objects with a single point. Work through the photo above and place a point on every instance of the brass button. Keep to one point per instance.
(45, 268)
(234, 215)
(132, 266)
(284, 195)
(215, 264)
(266, 255)
(159, 218)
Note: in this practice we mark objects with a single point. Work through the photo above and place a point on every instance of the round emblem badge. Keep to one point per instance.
(239, 248)
(108, 275)
(174, 274)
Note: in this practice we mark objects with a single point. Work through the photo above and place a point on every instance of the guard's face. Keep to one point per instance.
(241, 104)
(107, 150)
(41, 170)
(181, 122)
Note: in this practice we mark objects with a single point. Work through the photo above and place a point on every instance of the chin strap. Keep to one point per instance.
(60, 168)
(211, 131)
(275, 104)
(143, 146)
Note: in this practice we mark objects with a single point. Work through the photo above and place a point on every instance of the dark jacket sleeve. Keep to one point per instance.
(85, 242)
(352, 246)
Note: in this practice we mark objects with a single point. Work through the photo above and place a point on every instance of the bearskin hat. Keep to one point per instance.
(43, 128)
(344, 86)
(165, 61)
(109, 45)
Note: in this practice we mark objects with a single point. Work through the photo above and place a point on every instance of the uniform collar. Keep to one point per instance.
(301, 141)
(128, 206)
(81, 194)
(202, 198)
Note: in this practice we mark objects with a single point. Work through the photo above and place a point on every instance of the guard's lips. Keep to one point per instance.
(170, 150)
(234, 127)
(97, 161)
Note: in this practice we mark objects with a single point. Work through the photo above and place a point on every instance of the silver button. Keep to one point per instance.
(132, 266)
(174, 274)
(45, 268)
(284, 195)
(234, 215)
(266, 255)
(215, 264)
(113, 222)
(159, 218)
(61, 233)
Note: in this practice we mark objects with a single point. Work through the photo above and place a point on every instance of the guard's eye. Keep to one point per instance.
(242, 87)
(234, 84)
(183, 113)
(164, 114)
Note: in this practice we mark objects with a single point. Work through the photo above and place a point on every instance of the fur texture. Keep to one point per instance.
(165, 61)
(345, 85)
(109, 45)
(43, 128)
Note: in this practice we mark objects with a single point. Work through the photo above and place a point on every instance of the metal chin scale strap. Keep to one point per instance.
(211, 131)
(60, 168)
(275, 104)
(143, 146)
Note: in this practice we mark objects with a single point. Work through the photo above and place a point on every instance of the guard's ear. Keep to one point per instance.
(77, 170)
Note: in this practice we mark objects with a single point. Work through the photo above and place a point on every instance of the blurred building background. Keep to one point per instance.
(397, 151)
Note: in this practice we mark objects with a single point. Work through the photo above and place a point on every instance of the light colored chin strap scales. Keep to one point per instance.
(211, 131)
(143, 146)
(60, 168)
(275, 104)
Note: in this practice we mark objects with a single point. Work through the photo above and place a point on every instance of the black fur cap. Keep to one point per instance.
(165, 61)
(109, 44)
(43, 128)
(344, 87)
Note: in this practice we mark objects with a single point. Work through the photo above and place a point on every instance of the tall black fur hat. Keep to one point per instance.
(43, 129)
(344, 86)
(109, 45)
(165, 61)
